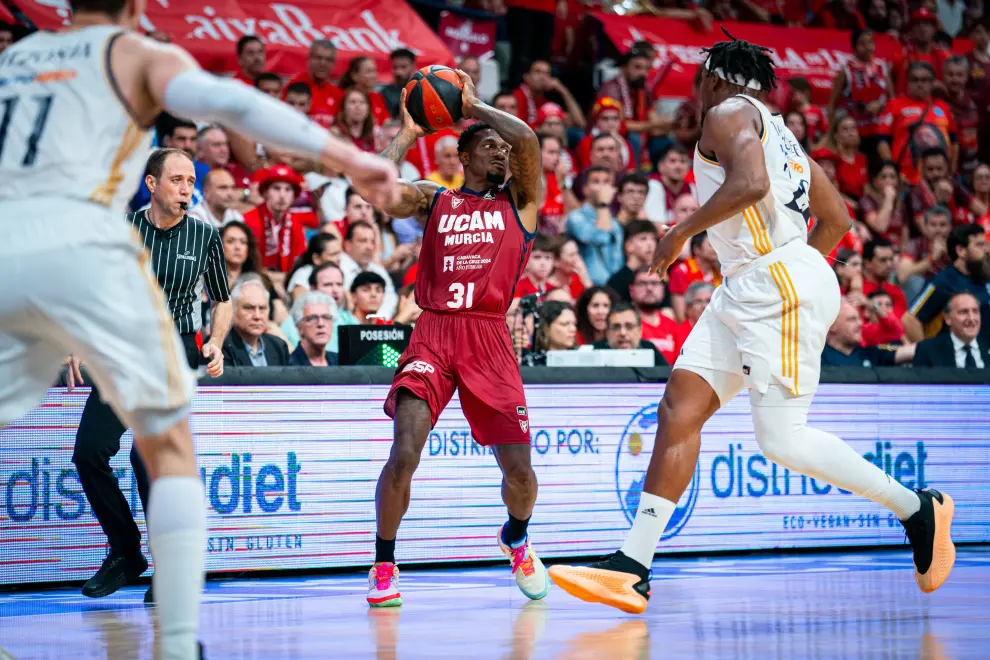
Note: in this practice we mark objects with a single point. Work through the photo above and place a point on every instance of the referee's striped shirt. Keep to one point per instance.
(183, 258)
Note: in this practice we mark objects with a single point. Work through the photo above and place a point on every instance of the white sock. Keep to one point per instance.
(177, 535)
(651, 518)
(786, 439)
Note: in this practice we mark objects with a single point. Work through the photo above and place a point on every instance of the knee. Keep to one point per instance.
(678, 416)
(521, 477)
(404, 459)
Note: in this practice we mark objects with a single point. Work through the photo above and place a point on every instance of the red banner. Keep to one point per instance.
(6, 16)
(210, 30)
(814, 54)
(464, 36)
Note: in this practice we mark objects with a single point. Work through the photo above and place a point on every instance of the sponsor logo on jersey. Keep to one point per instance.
(448, 264)
(455, 202)
(186, 256)
(383, 335)
(467, 229)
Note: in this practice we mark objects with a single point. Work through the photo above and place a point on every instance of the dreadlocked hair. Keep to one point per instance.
(741, 58)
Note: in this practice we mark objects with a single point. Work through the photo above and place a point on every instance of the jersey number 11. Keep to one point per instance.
(40, 119)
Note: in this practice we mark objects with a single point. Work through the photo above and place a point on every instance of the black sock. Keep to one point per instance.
(514, 530)
(384, 550)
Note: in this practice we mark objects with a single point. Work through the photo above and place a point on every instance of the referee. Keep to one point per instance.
(183, 252)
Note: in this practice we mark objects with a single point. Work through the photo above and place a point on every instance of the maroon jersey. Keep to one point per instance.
(865, 83)
(474, 250)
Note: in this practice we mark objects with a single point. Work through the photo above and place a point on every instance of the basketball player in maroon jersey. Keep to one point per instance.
(475, 245)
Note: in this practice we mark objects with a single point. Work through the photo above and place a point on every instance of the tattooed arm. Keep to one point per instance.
(414, 198)
(525, 161)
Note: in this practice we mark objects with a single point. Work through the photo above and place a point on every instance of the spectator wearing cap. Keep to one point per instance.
(968, 247)
(668, 183)
(606, 119)
(629, 88)
(923, 257)
(362, 75)
(955, 74)
(936, 186)
(449, 172)
(814, 118)
(219, 196)
(960, 347)
(862, 88)
(843, 344)
(624, 331)
(250, 59)
(403, 63)
(552, 120)
(639, 243)
(319, 67)
(358, 257)
(538, 81)
(278, 229)
(368, 293)
(250, 345)
(313, 314)
(701, 266)
(919, 47)
(696, 301)
(598, 233)
(648, 295)
(843, 140)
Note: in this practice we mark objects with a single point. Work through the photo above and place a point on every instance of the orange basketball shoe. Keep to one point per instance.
(929, 532)
(617, 580)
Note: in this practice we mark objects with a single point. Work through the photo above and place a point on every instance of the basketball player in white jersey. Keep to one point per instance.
(75, 107)
(763, 330)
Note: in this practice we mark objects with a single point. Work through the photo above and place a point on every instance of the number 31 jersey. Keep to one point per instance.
(474, 250)
(65, 131)
(781, 217)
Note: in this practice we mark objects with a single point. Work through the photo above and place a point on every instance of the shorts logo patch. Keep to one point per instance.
(420, 367)
(746, 369)
(524, 425)
(521, 411)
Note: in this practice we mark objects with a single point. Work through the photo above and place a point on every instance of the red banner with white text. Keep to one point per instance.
(813, 54)
(210, 30)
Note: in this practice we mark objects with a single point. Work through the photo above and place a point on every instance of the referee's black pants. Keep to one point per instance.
(97, 441)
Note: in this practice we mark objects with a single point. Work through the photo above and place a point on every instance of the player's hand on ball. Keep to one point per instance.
(469, 96)
(213, 353)
(668, 250)
(409, 127)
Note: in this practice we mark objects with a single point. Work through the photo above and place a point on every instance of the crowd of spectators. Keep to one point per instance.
(907, 143)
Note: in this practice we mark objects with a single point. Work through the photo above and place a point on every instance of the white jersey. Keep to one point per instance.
(781, 217)
(65, 130)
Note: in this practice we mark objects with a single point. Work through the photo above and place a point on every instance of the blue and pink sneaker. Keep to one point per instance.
(531, 574)
(383, 585)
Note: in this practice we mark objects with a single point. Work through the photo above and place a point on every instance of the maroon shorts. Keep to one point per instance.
(472, 352)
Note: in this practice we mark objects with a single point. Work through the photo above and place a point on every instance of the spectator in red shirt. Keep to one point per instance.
(843, 138)
(250, 58)
(881, 208)
(629, 88)
(920, 47)
(702, 266)
(813, 116)
(362, 74)
(936, 187)
(914, 123)
(696, 299)
(276, 228)
(593, 306)
(878, 266)
(841, 15)
(319, 67)
(881, 325)
(538, 268)
(647, 293)
(862, 87)
(354, 119)
(966, 113)
(606, 116)
(531, 94)
(668, 183)
(269, 84)
(569, 271)
(554, 209)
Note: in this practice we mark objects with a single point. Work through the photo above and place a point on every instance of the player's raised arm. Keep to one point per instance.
(831, 214)
(731, 130)
(524, 159)
(175, 82)
(412, 199)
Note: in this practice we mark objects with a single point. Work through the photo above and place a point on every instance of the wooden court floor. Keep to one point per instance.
(843, 606)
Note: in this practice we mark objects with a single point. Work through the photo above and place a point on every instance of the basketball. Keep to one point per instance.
(433, 97)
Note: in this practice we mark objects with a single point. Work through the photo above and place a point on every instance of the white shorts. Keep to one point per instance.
(766, 324)
(97, 300)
